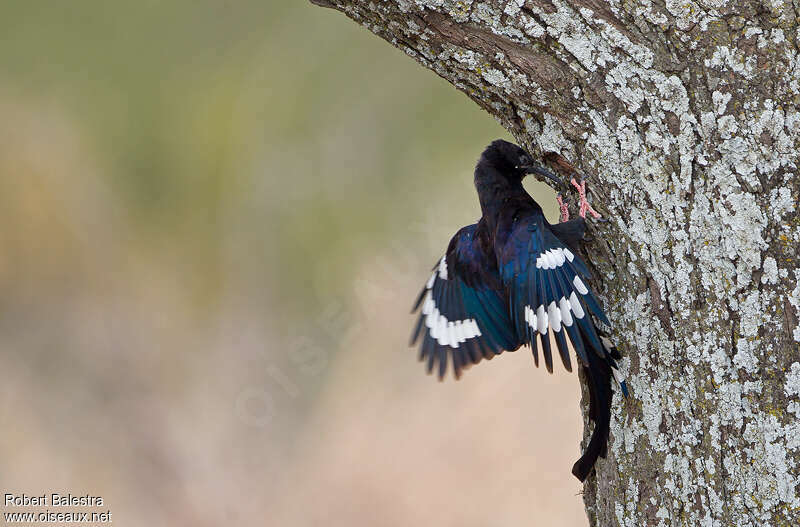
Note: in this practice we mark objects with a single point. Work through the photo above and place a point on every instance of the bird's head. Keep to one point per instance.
(514, 162)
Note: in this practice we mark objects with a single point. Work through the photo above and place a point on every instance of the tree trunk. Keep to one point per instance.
(685, 119)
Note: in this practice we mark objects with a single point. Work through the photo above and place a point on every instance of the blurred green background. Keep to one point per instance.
(214, 217)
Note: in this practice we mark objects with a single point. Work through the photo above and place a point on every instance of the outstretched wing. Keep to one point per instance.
(548, 297)
(550, 308)
(464, 309)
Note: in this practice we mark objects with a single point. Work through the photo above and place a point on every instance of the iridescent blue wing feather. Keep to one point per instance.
(464, 313)
(550, 298)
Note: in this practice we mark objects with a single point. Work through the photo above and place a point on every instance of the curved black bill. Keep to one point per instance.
(538, 169)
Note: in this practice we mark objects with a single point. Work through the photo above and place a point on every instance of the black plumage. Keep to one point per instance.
(513, 279)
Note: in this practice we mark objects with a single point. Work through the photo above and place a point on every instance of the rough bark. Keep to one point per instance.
(684, 116)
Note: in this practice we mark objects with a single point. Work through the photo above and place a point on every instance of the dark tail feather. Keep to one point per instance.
(598, 374)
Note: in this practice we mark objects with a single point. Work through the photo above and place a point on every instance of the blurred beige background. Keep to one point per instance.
(214, 218)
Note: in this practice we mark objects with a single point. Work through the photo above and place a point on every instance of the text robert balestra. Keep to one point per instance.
(52, 500)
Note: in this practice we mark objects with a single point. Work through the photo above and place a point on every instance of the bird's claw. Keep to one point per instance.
(583, 204)
(563, 207)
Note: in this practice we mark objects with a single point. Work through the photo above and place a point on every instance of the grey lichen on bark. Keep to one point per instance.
(684, 116)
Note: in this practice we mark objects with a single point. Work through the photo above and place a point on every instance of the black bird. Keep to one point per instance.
(513, 279)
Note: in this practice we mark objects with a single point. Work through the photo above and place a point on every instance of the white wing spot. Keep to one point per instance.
(475, 329)
(579, 285)
(443, 336)
(554, 314)
(541, 319)
(443, 268)
(551, 258)
(447, 332)
(530, 317)
(451, 334)
(566, 316)
(458, 329)
(576, 305)
(559, 254)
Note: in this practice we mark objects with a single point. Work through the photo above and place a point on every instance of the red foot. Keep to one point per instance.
(562, 206)
(583, 205)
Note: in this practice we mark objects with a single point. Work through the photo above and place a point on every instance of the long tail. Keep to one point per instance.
(599, 372)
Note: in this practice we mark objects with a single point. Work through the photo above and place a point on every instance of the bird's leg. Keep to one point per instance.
(563, 206)
(583, 205)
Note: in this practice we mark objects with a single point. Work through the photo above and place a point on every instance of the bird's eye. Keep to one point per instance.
(525, 159)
